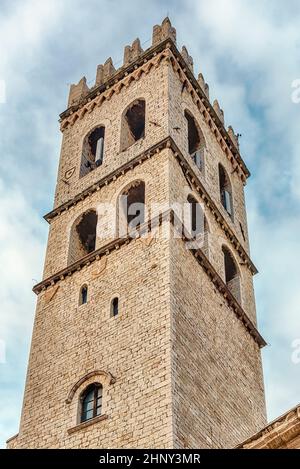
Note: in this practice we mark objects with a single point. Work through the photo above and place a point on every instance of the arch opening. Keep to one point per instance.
(196, 142)
(133, 123)
(92, 151)
(83, 236)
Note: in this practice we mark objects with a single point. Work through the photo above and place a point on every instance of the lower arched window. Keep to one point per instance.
(91, 402)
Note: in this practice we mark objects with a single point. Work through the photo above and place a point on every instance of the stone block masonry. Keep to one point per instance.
(178, 355)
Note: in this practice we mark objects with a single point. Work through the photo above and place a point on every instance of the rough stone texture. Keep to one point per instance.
(218, 395)
(186, 371)
(109, 114)
(70, 341)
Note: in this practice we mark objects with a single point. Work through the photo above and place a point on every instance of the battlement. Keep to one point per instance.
(107, 71)
(131, 53)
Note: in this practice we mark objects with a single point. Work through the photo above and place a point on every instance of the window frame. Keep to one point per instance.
(95, 388)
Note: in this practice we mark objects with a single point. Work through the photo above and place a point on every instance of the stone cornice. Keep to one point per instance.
(189, 173)
(277, 433)
(170, 216)
(188, 79)
(152, 57)
(12, 438)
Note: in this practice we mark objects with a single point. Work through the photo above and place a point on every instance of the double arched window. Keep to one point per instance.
(91, 402)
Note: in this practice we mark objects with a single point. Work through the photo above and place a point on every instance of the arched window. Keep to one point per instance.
(196, 142)
(92, 151)
(232, 275)
(133, 123)
(132, 207)
(114, 307)
(91, 402)
(199, 228)
(225, 191)
(83, 297)
(83, 236)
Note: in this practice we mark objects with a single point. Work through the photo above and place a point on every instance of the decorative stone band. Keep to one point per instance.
(186, 166)
(276, 434)
(152, 224)
(166, 50)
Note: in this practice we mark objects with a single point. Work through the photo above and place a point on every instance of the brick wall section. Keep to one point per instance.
(153, 87)
(155, 173)
(179, 102)
(70, 341)
(187, 371)
(218, 394)
(179, 191)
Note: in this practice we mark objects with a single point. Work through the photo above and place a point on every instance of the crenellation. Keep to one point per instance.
(187, 58)
(104, 72)
(204, 86)
(131, 53)
(218, 110)
(78, 92)
(163, 31)
(233, 136)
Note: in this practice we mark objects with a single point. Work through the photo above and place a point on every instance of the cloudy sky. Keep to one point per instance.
(249, 52)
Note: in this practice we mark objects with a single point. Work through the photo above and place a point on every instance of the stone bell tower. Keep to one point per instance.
(142, 339)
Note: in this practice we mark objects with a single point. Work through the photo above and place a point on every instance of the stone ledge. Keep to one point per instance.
(12, 438)
(86, 424)
(149, 54)
(151, 224)
(277, 433)
(167, 142)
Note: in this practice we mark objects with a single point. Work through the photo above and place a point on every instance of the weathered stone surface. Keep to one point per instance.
(186, 371)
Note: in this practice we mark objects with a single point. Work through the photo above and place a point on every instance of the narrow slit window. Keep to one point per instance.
(114, 311)
(83, 295)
